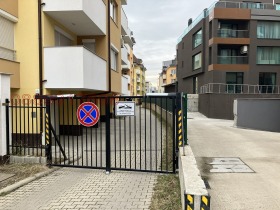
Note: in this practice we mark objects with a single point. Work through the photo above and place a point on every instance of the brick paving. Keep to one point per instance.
(71, 188)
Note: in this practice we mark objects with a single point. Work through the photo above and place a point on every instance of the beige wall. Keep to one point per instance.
(12, 68)
(26, 44)
(10, 6)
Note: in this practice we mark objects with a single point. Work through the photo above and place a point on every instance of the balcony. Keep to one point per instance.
(125, 28)
(85, 71)
(229, 33)
(128, 77)
(232, 59)
(125, 90)
(164, 76)
(125, 60)
(83, 17)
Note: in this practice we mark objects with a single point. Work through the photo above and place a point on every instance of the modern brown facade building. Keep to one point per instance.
(234, 43)
(232, 50)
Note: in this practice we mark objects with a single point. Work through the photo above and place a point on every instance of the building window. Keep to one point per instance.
(197, 63)
(268, 55)
(267, 81)
(210, 56)
(277, 6)
(114, 60)
(62, 38)
(197, 38)
(173, 80)
(173, 71)
(7, 39)
(234, 82)
(268, 30)
(89, 44)
(113, 10)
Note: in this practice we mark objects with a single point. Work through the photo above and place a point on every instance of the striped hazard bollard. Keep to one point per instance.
(180, 128)
(189, 202)
(205, 203)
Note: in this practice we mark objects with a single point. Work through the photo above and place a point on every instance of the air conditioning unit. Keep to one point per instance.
(244, 49)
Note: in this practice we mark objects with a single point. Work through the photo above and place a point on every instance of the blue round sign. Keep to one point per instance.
(88, 114)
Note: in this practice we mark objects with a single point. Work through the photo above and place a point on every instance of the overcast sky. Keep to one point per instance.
(156, 25)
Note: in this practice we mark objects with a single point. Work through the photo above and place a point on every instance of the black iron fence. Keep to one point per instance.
(131, 133)
(26, 127)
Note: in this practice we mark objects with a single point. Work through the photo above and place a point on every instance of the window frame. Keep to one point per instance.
(195, 44)
(193, 61)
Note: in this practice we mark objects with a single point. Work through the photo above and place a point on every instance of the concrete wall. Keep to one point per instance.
(260, 114)
(190, 180)
(220, 106)
(193, 102)
(4, 94)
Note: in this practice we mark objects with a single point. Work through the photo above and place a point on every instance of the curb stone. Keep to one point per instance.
(23, 182)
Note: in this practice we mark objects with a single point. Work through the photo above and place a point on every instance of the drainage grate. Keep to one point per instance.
(229, 165)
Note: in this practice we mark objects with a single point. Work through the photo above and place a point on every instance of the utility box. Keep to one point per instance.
(259, 114)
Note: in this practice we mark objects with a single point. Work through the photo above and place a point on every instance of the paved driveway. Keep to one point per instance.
(70, 188)
(259, 150)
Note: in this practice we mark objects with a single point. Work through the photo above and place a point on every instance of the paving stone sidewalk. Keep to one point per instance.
(72, 188)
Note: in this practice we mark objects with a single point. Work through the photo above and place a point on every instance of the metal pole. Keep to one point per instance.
(108, 137)
(7, 126)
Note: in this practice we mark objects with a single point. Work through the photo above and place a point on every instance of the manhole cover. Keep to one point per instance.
(229, 165)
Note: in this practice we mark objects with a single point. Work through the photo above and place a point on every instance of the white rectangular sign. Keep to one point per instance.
(125, 108)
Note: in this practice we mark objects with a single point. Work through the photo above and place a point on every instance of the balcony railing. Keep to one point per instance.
(245, 5)
(227, 4)
(232, 59)
(221, 88)
(229, 33)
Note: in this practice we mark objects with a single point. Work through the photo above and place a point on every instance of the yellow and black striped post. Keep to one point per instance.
(48, 134)
(180, 128)
(189, 202)
(205, 203)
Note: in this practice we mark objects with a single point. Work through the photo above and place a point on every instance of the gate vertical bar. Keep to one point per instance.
(108, 137)
(48, 133)
(174, 147)
(7, 126)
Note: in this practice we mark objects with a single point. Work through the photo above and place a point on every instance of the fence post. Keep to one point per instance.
(48, 133)
(108, 137)
(7, 126)
(185, 117)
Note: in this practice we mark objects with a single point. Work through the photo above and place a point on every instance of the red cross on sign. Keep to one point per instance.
(88, 114)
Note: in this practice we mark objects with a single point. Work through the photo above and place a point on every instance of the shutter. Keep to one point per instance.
(6, 39)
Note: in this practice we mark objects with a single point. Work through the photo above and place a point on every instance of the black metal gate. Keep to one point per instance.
(145, 141)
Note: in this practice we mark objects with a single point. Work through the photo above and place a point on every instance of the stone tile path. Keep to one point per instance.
(71, 188)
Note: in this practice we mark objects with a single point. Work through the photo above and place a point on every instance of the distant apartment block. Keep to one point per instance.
(167, 78)
(139, 71)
